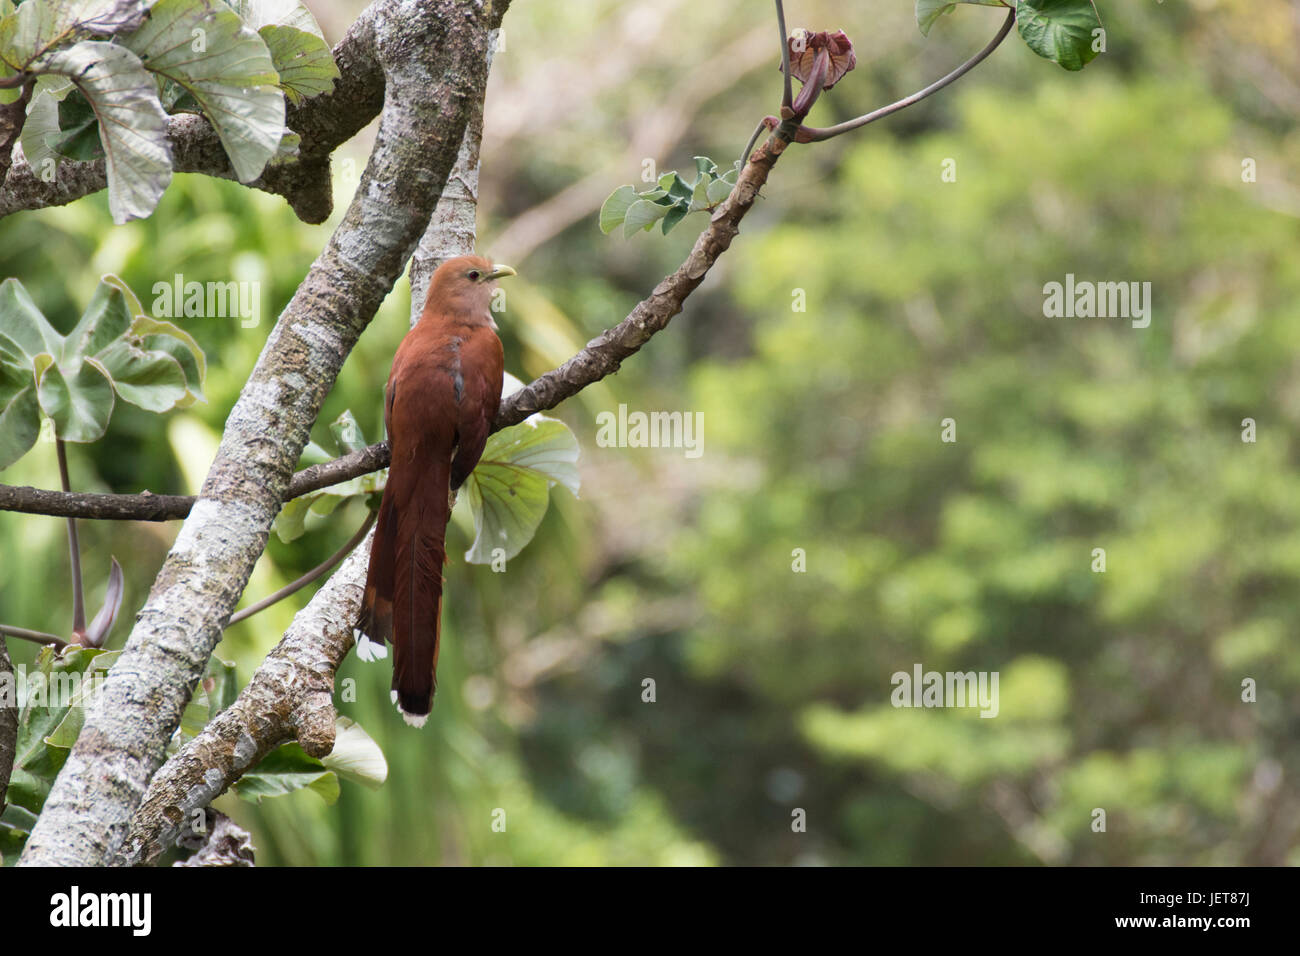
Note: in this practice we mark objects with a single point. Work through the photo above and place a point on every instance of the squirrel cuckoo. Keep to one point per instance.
(442, 397)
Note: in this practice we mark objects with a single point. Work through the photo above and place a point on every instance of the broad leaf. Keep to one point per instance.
(132, 124)
(1059, 30)
(80, 402)
(643, 214)
(509, 490)
(20, 419)
(286, 13)
(303, 60)
(40, 25)
(228, 70)
(614, 209)
(284, 770)
(24, 331)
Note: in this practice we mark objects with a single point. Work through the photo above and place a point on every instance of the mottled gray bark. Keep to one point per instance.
(290, 697)
(433, 55)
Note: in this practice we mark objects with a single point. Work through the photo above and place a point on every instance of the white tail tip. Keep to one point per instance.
(415, 720)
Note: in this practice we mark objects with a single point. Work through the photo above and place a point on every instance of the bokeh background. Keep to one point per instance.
(1119, 690)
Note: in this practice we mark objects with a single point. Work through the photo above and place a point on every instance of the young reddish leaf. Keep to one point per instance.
(804, 47)
(103, 623)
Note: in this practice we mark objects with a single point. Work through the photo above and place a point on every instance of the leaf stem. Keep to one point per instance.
(307, 578)
(787, 93)
(818, 135)
(74, 550)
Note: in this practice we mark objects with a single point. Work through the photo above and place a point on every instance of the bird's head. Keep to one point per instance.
(464, 286)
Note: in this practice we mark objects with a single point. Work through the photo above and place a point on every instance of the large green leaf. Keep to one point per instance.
(509, 490)
(132, 124)
(158, 335)
(151, 380)
(113, 350)
(284, 770)
(106, 318)
(40, 25)
(928, 11)
(228, 70)
(79, 402)
(20, 418)
(24, 331)
(1059, 30)
(42, 122)
(303, 60)
(93, 664)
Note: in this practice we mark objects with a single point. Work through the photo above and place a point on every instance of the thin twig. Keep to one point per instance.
(74, 549)
(818, 135)
(307, 578)
(38, 637)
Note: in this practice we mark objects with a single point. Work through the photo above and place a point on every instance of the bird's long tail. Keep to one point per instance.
(403, 598)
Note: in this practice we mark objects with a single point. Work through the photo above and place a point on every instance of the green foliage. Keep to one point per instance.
(287, 768)
(293, 519)
(110, 71)
(53, 697)
(510, 488)
(114, 351)
(670, 201)
(1057, 30)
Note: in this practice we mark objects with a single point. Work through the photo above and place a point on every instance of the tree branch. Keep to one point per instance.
(433, 55)
(323, 122)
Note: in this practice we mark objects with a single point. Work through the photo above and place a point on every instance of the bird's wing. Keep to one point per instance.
(482, 364)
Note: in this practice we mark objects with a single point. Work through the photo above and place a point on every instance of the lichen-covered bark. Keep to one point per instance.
(433, 54)
(290, 697)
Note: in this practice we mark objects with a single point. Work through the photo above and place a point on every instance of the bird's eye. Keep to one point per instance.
(474, 274)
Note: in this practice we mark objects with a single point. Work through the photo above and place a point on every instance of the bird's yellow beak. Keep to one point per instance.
(499, 272)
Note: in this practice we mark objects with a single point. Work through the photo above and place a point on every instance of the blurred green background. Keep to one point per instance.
(1119, 690)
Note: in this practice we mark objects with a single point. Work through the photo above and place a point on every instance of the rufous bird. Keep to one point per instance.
(443, 395)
